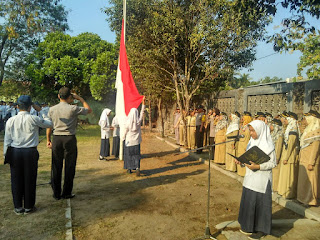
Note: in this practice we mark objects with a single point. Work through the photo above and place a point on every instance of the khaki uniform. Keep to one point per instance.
(241, 148)
(276, 170)
(288, 177)
(192, 132)
(181, 131)
(206, 128)
(231, 148)
(309, 181)
(220, 150)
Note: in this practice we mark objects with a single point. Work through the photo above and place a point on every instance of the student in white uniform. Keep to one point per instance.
(22, 136)
(132, 136)
(255, 214)
(105, 134)
(116, 137)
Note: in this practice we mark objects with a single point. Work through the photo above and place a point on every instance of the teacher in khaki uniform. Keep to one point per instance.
(289, 168)
(309, 167)
(64, 143)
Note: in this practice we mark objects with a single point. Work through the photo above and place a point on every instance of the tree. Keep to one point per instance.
(310, 59)
(22, 24)
(85, 63)
(294, 27)
(11, 89)
(191, 44)
(238, 82)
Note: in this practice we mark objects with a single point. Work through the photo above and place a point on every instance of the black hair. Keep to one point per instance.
(64, 93)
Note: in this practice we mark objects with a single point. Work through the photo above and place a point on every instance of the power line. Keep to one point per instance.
(267, 56)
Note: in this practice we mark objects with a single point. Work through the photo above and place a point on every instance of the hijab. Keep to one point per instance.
(276, 133)
(222, 123)
(234, 124)
(312, 127)
(292, 127)
(264, 140)
(133, 120)
(104, 117)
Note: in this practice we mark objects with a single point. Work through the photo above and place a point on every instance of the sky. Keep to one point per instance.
(86, 16)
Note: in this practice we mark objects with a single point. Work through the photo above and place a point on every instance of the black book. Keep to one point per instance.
(254, 154)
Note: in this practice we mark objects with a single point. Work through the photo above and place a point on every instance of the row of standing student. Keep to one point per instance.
(131, 135)
(10, 110)
(297, 155)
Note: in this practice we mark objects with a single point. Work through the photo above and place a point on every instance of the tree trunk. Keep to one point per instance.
(150, 119)
(161, 116)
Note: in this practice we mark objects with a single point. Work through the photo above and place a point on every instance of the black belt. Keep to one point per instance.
(25, 148)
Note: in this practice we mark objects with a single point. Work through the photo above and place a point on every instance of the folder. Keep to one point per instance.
(254, 154)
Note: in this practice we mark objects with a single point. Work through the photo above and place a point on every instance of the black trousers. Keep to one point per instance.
(24, 169)
(63, 148)
(199, 138)
(105, 147)
(116, 146)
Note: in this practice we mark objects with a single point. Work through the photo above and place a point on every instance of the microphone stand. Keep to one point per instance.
(207, 234)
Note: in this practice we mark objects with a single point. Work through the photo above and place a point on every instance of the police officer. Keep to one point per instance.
(22, 136)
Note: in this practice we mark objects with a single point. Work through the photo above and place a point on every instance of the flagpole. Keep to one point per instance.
(124, 18)
(124, 37)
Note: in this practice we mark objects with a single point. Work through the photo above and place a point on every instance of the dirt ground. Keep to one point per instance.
(168, 201)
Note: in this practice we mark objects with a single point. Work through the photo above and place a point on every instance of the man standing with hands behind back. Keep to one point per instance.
(64, 117)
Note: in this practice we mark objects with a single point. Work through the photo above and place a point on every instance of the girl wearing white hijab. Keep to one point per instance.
(116, 137)
(308, 191)
(105, 134)
(255, 212)
(132, 136)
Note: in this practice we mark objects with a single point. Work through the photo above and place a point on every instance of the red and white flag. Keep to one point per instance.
(127, 93)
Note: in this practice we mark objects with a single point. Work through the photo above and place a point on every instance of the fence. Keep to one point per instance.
(298, 97)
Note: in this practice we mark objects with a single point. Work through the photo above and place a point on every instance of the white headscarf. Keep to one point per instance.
(133, 120)
(104, 117)
(264, 141)
(313, 126)
(221, 123)
(276, 133)
(292, 127)
(234, 125)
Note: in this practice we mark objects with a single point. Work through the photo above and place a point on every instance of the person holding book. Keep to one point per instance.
(255, 214)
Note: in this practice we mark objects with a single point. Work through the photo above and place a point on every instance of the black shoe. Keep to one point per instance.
(18, 211)
(55, 197)
(29, 210)
(129, 171)
(68, 196)
(257, 235)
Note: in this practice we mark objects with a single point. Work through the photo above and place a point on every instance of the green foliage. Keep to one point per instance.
(295, 27)
(85, 63)
(11, 90)
(189, 46)
(310, 59)
(22, 24)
